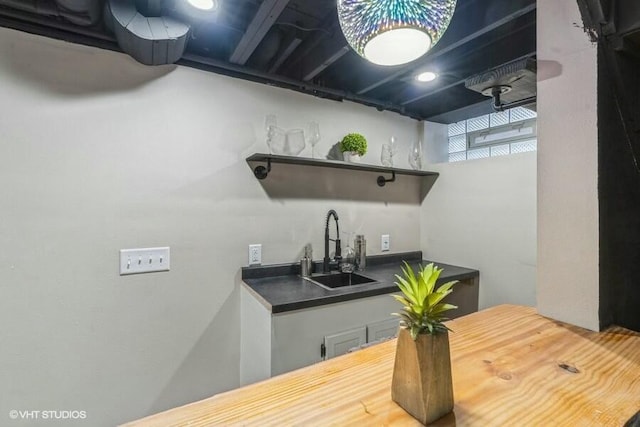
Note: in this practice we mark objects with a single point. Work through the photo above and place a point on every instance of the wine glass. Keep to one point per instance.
(415, 155)
(389, 149)
(270, 124)
(276, 137)
(314, 136)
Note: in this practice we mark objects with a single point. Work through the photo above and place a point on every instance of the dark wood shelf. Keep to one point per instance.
(262, 171)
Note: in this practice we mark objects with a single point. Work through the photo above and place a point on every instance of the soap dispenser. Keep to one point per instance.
(361, 252)
(306, 263)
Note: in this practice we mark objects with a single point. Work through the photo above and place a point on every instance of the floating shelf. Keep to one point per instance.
(261, 172)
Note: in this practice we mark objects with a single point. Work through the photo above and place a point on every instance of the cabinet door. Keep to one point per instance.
(342, 342)
(384, 329)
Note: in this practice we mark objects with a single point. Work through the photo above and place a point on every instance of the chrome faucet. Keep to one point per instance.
(328, 263)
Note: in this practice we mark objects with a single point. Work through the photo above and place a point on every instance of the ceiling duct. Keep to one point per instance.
(509, 85)
(151, 40)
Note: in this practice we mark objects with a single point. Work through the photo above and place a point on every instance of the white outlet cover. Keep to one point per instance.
(385, 243)
(146, 260)
(255, 254)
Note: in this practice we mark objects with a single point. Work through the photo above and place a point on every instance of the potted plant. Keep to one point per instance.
(353, 146)
(421, 382)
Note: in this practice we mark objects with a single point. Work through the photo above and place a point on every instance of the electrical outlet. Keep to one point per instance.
(385, 244)
(255, 254)
(148, 260)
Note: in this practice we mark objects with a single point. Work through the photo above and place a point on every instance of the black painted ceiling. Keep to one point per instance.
(303, 49)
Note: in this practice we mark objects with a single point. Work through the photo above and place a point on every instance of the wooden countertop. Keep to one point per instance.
(510, 367)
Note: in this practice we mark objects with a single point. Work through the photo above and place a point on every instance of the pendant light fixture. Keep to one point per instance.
(394, 32)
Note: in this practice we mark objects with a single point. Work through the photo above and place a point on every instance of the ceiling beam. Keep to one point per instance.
(450, 47)
(289, 45)
(310, 43)
(265, 17)
(224, 67)
(324, 56)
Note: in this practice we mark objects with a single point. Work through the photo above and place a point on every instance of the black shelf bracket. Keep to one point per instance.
(261, 172)
(382, 181)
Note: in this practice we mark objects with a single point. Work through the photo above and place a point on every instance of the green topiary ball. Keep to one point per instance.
(354, 142)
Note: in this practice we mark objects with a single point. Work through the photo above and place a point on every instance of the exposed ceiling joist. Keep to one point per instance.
(290, 44)
(450, 47)
(296, 59)
(326, 55)
(267, 14)
(328, 25)
(242, 71)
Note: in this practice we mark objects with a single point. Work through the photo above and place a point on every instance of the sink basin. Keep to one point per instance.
(340, 280)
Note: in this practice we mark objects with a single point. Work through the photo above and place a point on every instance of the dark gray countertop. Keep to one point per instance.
(280, 288)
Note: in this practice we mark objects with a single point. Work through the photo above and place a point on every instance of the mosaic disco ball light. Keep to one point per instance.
(394, 32)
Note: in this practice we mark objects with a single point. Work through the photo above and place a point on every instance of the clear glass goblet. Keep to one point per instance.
(314, 136)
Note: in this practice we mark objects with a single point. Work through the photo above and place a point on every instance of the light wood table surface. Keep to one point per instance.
(507, 371)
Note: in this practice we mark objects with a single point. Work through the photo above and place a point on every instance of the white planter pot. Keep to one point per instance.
(351, 157)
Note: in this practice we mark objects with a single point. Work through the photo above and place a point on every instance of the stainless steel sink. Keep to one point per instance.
(332, 281)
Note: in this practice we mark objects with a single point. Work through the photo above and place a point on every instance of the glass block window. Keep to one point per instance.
(478, 123)
(524, 147)
(519, 114)
(500, 150)
(457, 143)
(498, 134)
(459, 128)
(499, 119)
(479, 153)
(457, 157)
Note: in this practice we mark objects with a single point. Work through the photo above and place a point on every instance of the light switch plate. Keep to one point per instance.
(385, 244)
(147, 260)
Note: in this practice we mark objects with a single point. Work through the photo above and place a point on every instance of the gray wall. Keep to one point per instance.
(99, 153)
(568, 242)
(482, 214)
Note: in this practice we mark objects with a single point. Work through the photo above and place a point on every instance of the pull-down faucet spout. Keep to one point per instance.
(327, 262)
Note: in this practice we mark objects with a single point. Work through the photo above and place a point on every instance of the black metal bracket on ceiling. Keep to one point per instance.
(382, 181)
(261, 172)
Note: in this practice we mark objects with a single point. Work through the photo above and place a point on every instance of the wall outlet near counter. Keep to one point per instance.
(255, 254)
(385, 243)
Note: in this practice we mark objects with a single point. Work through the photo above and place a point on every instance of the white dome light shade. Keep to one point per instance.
(397, 46)
(406, 29)
(203, 4)
(427, 76)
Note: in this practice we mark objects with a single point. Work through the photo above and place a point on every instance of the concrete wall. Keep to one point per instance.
(482, 214)
(567, 283)
(99, 153)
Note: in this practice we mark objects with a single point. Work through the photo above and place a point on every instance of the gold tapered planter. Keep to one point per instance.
(422, 376)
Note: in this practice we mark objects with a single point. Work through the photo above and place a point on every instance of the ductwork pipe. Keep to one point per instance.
(149, 40)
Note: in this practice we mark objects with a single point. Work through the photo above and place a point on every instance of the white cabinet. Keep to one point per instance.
(340, 343)
(344, 342)
(272, 344)
(382, 330)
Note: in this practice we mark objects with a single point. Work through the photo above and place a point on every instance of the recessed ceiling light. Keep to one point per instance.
(427, 76)
(204, 4)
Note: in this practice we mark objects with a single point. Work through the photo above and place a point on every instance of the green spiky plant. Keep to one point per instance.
(423, 306)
